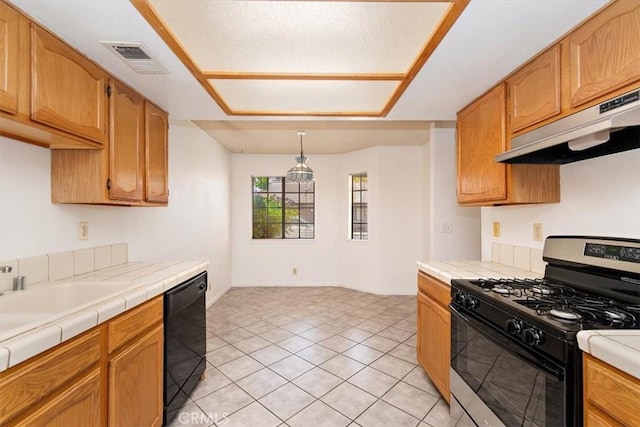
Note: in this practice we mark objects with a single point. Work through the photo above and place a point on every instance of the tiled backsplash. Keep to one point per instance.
(518, 257)
(60, 265)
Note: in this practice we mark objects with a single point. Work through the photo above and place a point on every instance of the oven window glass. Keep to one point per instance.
(518, 393)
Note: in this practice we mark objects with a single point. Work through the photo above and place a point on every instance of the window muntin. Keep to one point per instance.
(282, 209)
(359, 199)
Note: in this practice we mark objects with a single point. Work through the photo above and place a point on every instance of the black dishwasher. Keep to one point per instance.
(185, 342)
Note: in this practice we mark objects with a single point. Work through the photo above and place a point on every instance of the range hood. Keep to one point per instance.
(607, 128)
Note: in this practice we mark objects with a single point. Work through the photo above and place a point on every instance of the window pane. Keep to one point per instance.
(292, 216)
(292, 187)
(292, 198)
(306, 231)
(275, 185)
(259, 200)
(306, 198)
(292, 232)
(260, 183)
(278, 214)
(359, 197)
(307, 187)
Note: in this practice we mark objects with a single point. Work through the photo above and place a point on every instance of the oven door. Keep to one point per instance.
(498, 381)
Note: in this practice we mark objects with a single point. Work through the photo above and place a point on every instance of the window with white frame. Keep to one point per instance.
(359, 198)
(282, 209)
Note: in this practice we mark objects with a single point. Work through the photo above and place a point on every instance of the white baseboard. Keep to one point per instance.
(312, 284)
(216, 297)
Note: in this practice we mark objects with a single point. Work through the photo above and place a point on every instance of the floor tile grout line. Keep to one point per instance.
(397, 316)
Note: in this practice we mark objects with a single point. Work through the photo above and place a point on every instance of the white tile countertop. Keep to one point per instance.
(617, 347)
(447, 270)
(51, 312)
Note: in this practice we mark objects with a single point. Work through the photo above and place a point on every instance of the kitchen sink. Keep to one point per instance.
(38, 304)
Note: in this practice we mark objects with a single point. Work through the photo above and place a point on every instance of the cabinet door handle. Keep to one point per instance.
(108, 183)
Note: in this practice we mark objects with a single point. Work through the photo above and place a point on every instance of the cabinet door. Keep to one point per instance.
(78, 405)
(135, 383)
(67, 90)
(126, 143)
(434, 342)
(156, 155)
(605, 52)
(481, 136)
(9, 35)
(534, 91)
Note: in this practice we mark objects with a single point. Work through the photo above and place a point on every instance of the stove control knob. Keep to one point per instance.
(459, 297)
(533, 337)
(514, 326)
(471, 303)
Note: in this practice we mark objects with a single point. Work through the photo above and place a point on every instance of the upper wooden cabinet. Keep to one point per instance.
(68, 92)
(481, 181)
(9, 40)
(120, 173)
(604, 53)
(126, 143)
(534, 90)
(131, 170)
(481, 136)
(156, 154)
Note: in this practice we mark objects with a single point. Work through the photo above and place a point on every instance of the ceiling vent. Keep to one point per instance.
(137, 56)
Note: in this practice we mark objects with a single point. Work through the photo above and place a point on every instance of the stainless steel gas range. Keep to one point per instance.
(515, 360)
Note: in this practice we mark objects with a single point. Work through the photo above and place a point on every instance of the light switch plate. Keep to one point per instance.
(496, 229)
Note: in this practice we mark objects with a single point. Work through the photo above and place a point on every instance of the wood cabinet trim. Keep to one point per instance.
(68, 405)
(23, 384)
(533, 92)
(614, 392)
(9, 58)
(124, 408)
(42, 42)
(133, 323)
(589, 78)
(126, 143)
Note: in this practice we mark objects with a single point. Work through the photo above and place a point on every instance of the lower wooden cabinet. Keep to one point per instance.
(611, 397)
(78, 405)
(134, 372)
(86, 382)
(434, 331)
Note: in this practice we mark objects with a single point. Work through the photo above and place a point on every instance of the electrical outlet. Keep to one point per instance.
(83, 230)
(446, 227)
(537, 231)
(294, 271)
(496, 229)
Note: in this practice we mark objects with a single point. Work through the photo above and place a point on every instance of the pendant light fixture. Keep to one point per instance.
(301, 172)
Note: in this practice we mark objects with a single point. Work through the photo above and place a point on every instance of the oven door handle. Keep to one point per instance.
(523, 353)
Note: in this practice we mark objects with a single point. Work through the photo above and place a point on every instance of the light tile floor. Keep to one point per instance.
(321, 356)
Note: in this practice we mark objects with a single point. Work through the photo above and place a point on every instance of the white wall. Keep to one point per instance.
(464, 240)
(384, 264)
(195, 225)
(599, 197)
(271, 262)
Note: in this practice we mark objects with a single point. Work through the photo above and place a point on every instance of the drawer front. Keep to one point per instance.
(29, 382)
(611, 390)
(434, 288)
(133, 323)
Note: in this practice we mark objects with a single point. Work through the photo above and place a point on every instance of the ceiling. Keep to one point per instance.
(489, 39)
(293, 58)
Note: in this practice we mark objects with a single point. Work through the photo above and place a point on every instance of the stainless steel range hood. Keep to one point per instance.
(607, 128)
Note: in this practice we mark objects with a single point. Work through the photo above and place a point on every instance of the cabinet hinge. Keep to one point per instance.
(108, 183)
(108, 90)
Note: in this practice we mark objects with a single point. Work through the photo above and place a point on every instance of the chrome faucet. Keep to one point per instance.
(19, 283)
